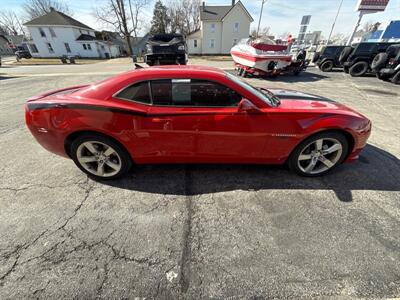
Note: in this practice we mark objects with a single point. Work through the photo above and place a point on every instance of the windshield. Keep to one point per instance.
(260, 93)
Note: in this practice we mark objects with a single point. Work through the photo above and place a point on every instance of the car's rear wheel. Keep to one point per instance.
(100, 157)
(358, 69)
(327, 66)
(319, 154)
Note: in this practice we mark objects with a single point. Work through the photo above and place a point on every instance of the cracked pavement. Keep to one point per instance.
(200, 231)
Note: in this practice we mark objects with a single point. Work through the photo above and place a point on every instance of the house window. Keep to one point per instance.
(67, 47)
(50, 48)
(52, 33)
(84, 46)
(195, 43)
(33, 47)
(213, 27)
(89, 47)
(212, 43)
(42, 33)
(236, 28)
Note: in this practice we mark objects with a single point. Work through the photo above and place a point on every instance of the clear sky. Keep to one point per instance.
(280, 15)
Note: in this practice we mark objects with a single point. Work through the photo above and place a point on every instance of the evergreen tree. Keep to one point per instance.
(160, 21)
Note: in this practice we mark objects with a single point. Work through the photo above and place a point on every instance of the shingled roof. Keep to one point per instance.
(56, 18)
(217, 13)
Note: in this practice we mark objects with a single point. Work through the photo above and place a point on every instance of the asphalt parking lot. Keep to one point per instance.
(199, 231)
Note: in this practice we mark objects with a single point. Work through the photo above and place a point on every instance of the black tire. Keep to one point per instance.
(293, 160)
(396, 78)
(316, 57)
(345, 54)
(326, 66)
(379, 61)
(120, 156)
(358, 69)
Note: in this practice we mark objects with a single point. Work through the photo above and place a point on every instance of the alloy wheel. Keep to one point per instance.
(99, 158)
(320, 156)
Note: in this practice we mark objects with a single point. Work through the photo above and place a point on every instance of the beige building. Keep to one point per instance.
(220, 28)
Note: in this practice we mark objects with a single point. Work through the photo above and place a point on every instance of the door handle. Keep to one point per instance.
(160, 120)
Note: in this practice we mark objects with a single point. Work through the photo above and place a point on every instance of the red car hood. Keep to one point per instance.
(294, 100)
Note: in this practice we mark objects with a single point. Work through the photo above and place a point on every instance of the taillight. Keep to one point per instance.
(392, 61)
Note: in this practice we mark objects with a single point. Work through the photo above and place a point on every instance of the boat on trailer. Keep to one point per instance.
(261, 57)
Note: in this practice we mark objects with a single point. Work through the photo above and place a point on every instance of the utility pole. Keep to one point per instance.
(261, 12)
(334, 22)
(360, 15)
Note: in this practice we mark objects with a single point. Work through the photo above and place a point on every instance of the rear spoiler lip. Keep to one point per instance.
(40, 96)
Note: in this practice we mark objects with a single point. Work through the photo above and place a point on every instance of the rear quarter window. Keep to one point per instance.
(138, 92)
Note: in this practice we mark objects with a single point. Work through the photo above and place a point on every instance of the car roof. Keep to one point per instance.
(99, 89)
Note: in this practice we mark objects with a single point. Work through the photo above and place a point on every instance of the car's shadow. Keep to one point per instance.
(302, 77)
(376, 170)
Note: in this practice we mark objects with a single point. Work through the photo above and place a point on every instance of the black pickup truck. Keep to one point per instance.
(166, 49)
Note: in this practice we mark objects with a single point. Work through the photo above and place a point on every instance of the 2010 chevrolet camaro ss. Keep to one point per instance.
(188, 114)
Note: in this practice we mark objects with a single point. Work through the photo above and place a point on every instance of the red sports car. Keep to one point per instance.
(188, 114)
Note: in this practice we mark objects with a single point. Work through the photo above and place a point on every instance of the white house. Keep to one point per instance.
(221, 27)
(55, 34)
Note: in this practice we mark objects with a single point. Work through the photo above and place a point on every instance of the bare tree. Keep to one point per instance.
(184, 15)
(37, 8)
(136, 7)
(264, 32)
(11, 23)
(115, 14)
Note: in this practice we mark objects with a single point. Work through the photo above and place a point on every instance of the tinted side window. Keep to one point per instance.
(193, 92)
(138, 92)
(330, 50)
(161, 91)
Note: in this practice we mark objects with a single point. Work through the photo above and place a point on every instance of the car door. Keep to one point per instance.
(163, 132)
(171, 127)
(222, 133)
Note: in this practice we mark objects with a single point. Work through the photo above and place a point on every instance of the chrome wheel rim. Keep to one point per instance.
(99, 159)
(320, 156)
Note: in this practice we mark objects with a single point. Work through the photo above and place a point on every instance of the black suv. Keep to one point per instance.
(359, 61)
(387, 65)
(164, 49)
(328, 58)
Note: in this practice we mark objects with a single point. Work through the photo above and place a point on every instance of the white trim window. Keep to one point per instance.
(212, 43)
(212, 27)
(52, 32)
(195, 43)
(236, 27)
(67, 47)
(50, 48)
(41, 31)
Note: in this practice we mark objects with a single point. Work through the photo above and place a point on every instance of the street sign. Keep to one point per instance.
(371, 5)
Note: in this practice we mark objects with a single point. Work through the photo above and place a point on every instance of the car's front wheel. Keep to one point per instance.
(100, 157)
(319, 154)
(327, 66)
(358, 69)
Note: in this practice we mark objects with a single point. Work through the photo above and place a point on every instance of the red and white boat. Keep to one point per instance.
(260, 56)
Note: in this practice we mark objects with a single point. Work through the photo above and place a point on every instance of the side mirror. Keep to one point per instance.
(246, 106)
